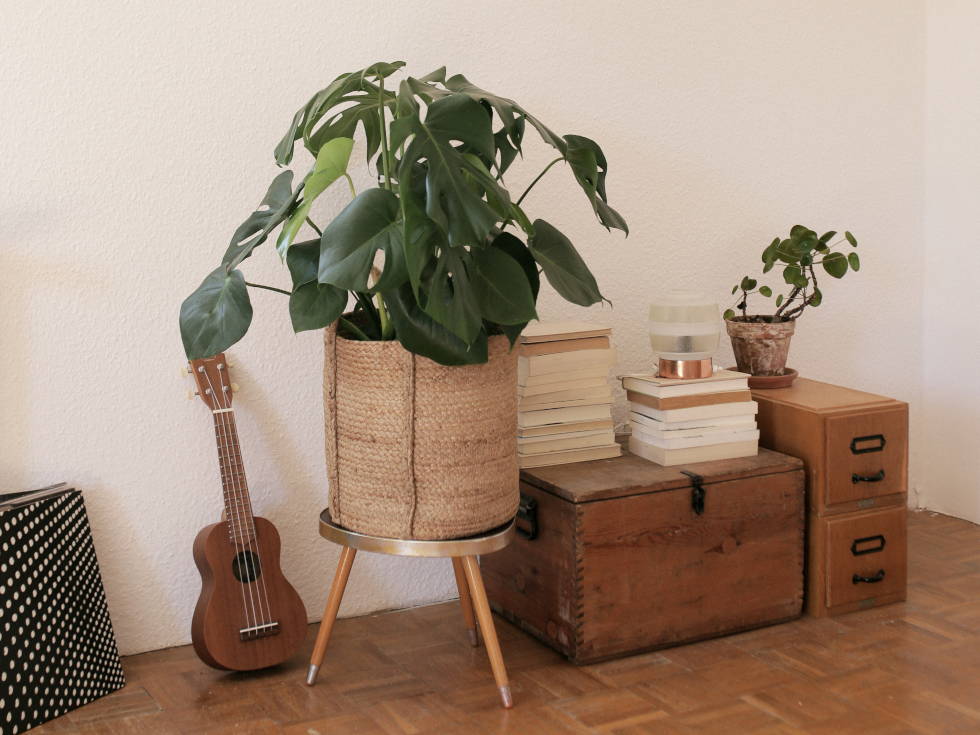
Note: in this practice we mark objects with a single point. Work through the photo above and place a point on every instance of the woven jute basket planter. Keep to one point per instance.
(415, 449)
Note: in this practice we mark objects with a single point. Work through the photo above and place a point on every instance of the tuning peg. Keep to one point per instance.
(230, 363)
(191, 394)
(234, 387)
(185, 370)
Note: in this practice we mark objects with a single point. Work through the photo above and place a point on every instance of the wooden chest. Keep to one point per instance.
(855, 446)
(622, 555)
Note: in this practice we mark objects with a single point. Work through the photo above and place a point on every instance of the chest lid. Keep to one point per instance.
(619, 477)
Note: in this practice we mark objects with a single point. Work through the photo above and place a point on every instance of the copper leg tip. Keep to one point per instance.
(506, 697)
(474, 638)
(311, 675)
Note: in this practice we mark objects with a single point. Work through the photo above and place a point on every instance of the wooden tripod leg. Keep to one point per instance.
(465, 601)
(482, 609)
(330, 612)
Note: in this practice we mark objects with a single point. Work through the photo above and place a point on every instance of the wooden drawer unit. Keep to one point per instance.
(857, 560)
(866, 459)
(622, 555)
(855, 447)
(854, 444)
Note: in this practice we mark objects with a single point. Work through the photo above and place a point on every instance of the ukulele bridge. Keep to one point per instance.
(259, 631)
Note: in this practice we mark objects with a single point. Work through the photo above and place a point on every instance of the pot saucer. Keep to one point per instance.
(772, 381)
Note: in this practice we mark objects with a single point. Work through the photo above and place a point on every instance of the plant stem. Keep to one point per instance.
(353, 329)
(364, 301)
(350, 185)
(313, 225)
(386, 329)
(268, 288)
(384, 134)
(538, 178)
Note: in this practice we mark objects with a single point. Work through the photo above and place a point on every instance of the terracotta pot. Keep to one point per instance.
(415, 449)
(761, 348)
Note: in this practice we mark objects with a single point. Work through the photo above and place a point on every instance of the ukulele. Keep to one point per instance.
(248, 616)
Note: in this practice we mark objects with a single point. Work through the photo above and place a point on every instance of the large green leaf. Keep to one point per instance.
(501, 288)
(420, 333)
(449, 198)
(450, 294)
(306, 120)
(458, 117)
(508, 111)
(519, 252)
(359, 108)
(563, 266)
(349, 244)
(303, 261)
(331, 164)
(315, 306)
(216, 315)
(276, 206)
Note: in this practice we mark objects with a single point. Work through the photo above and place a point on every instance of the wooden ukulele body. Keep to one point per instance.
(248, 615)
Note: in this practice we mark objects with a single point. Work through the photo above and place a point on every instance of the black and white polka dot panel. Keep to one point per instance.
(57, 648)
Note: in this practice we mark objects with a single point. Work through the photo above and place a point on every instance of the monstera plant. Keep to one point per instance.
(439, 255)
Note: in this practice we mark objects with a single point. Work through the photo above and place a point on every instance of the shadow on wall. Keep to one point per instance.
(17, 281)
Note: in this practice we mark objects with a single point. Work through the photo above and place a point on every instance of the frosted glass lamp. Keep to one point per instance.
(684, 331)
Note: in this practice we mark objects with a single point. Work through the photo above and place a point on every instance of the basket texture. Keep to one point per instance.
(415, 449)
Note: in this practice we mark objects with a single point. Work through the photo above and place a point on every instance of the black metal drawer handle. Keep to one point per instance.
(876, 477)
(857, 544)
(878, 576)
(527, 512)
(856, 441)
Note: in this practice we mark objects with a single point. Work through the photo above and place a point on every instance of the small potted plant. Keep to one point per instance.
(761, 341)
(441, 265)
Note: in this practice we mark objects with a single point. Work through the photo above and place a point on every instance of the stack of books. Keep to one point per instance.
(680, 421)
(564, 410)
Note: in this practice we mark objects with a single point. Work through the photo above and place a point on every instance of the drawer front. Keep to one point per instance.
(866, 455)
(865, 555)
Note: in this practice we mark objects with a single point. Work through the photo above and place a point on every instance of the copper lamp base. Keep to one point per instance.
(685, 369)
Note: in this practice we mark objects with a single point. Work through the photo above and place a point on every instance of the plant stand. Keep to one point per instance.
(472, 596)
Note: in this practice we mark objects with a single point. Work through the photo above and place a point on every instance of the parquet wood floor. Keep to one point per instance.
(913, 667)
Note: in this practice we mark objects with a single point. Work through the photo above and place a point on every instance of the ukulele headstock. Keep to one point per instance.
(213, 380)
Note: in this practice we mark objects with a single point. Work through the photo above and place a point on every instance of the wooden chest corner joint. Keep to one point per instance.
(652, 556)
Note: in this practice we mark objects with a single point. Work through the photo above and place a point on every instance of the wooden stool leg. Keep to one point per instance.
(330, 612)
(482, 608)
(465, 601)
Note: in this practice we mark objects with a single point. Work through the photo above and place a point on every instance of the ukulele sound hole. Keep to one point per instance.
(245, 567)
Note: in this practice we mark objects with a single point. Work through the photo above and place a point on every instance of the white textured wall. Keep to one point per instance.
(951, 335)
(136, 136)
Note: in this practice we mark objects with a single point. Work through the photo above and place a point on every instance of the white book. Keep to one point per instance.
(654, 428)
(533, 381)
(568, 456)
(569, 441)
(703, 423)
(741, 408)
(562, 415)
(720, 382)
(602, 393)
(530, 432)
(721, 437)
(583, 384)
(552, 331)
(560, 362)
(601, 401)
(691, 455)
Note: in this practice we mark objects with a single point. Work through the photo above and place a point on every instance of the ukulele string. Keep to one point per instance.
(233, 523)
(242, 505)
(267, 615)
